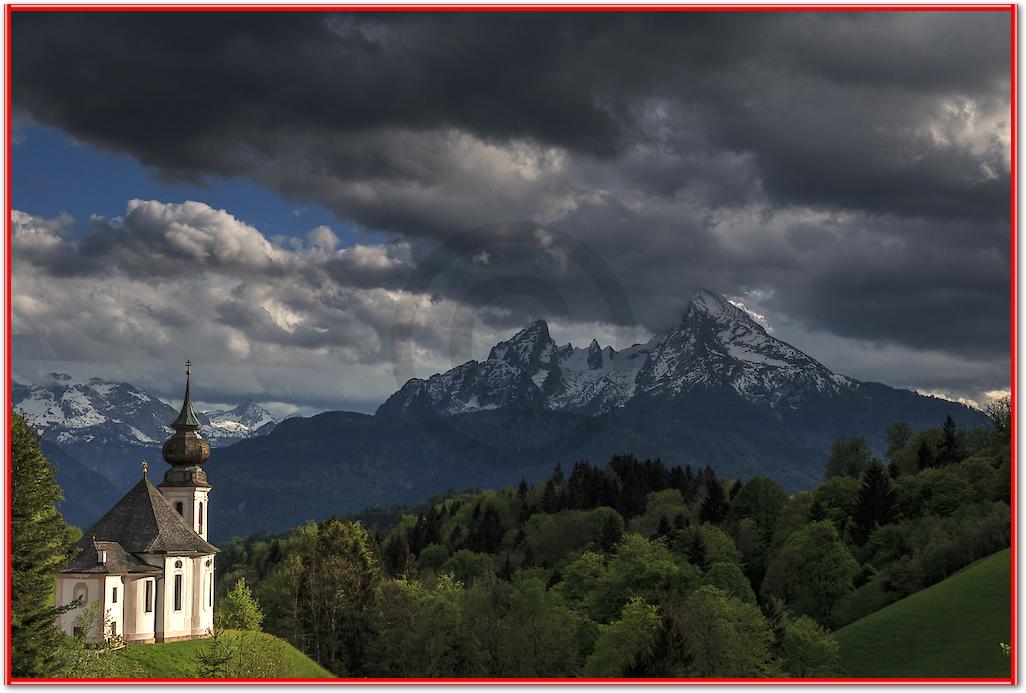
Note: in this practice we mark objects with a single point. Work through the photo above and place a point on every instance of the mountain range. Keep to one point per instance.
(716, 348)
(715, 389)
(97, 432)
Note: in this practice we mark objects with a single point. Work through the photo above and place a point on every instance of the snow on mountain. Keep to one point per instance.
(715, 347)
(225, 426)
(71, 411)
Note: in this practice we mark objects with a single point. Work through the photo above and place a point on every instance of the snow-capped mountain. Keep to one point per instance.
(67, 410)
(97, 411)
(225, 426)
(715, 347)
(716, 389)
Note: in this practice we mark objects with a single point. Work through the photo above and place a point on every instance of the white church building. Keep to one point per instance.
(147, 561)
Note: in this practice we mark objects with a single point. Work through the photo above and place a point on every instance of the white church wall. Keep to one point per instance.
(90, 585)
(178, 622)
(114, 604)
(140, 623)
(202, 610)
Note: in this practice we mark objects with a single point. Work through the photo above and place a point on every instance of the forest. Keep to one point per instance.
(635, 569)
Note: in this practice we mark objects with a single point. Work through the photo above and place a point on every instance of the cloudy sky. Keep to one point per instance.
(313, 207)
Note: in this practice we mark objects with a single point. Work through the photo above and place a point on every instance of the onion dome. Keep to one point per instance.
(186, 450)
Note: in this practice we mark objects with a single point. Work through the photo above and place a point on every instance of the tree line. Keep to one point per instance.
(629, 569)
(591, 571)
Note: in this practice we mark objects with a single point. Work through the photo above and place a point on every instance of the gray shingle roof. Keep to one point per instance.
(143, 521)
(118, 561)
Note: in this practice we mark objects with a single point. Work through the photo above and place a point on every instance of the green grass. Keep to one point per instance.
(271, 657)
(951, 629)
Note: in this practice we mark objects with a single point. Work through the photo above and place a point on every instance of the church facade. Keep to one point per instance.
(147, 560)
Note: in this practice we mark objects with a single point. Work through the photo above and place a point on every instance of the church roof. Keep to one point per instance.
(143, 521)
(117, 561)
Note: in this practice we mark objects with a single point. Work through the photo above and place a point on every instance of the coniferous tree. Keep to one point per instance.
(949, 451)
(816, 512)
(664, 529)
(924, 458)
(239, 610)
(714, 507)
(876, 505)
(486, 536)
(550, 500)
(39, 541)
(522, 490)
(698, 554)
(612, 532)
(735, 489)
(456, 538)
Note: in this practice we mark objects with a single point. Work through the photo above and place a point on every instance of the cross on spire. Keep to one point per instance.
(187, 417)
(146, 467)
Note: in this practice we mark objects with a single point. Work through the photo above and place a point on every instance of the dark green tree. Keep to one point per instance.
(949, 451)
(811, 571)
(849, 457)
(877, 504)
(924, 456)
(714, 507)
(698, 553)
(39, 540)
(898, 434)
(550, 499)
(486, 535)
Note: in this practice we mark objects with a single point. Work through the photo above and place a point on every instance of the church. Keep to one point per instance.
(147, 560)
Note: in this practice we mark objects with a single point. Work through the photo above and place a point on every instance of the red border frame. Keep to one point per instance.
(1011, 9)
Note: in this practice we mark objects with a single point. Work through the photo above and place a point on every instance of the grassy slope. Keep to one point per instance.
(178, 659)
(951, 629)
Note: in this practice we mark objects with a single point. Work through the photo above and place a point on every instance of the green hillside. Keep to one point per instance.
(272, 658)
(952, 629)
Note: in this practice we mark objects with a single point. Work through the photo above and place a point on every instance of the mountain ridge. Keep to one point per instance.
(715, 346)
(716, 389)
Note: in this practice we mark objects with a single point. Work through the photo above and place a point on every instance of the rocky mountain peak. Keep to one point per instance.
(706, 304)
(531, 346)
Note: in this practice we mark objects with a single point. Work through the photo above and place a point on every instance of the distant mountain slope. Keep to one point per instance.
(97, 432)
(951, 629)
(87, 495)
(716, 390)
(70, 411)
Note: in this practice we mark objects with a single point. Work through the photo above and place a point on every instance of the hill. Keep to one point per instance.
(952, 629)
(277, 658)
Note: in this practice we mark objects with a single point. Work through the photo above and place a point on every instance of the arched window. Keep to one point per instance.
(201, 518)
(79, 593)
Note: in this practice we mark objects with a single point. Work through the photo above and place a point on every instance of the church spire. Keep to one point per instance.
(186, 420)
(186, 449)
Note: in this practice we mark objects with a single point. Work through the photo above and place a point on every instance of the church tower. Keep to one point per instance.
(185, 483)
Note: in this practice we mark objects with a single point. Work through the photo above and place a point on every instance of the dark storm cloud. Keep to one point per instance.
(832, 106)
(847, 173)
